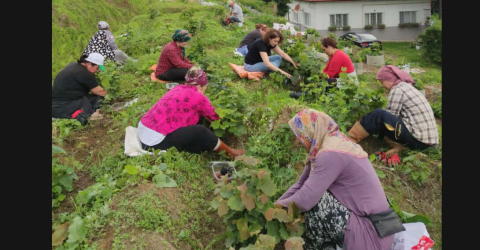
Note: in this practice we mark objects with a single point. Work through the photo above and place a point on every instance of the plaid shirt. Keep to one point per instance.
(171, 57)
(406, 102)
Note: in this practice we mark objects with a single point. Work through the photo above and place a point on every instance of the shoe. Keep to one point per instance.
(235, 52)
(357, 132)
(296, 95)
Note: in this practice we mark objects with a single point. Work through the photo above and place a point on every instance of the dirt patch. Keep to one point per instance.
(370, 69)
(124, 4)
(286, 114)
(439, 121)
(148, 240)
(86, 143)
(433, 92)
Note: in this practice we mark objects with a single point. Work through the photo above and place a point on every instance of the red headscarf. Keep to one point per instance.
(393, 74)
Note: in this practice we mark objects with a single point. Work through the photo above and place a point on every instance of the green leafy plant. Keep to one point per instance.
(432, 39)
(63, 127)
(381, 26)
(332, 28)
(312, 31)
(368, 27)
(415, 166)
(247, 210)
(62, 177)
(346, 28)
(230, 104)
(408, 25)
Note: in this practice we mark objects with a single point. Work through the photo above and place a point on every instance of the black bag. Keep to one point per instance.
(386, 223)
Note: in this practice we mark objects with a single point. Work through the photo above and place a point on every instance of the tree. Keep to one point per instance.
(436, 6)
(282, 7)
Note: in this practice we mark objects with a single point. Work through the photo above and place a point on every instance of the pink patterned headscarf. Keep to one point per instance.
(320, 133)
(393, 74)
(196, 76)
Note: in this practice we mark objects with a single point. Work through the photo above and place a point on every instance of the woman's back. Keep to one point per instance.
(251, 37)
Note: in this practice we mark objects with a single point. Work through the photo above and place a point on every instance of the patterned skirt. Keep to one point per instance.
(325, 224)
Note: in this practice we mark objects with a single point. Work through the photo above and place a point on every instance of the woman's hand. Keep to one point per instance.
(294, 64)
(286, 74)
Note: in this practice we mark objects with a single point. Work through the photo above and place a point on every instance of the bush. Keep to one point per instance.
(368, 27)
(381, 26)
(408, 25)
(312, 31)
(345, 28)
(432, 41)
(332, 28)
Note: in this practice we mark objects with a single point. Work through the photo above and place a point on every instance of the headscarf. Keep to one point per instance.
(319, 132)
(393, 74)
(197, 76)
(181, 36)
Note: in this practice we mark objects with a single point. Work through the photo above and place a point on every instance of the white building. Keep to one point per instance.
(321, 14)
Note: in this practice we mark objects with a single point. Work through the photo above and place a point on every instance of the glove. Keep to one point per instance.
(382, 156)
(394, 160)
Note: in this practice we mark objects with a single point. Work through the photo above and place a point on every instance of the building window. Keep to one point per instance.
(339, 20)
(408, 16)
(307, 19)
(373, 19)
(295, 17)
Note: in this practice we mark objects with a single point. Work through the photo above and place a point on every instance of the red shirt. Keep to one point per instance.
(171, 57)
(336, 62)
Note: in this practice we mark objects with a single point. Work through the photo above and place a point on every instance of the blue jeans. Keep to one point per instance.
(234, 19)
(374, 123)
(243, 50)
(275, 60)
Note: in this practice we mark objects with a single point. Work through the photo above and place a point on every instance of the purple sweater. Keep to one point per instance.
(355, 184)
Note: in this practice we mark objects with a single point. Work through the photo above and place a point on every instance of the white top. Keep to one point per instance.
(148, 136)
(238, 10)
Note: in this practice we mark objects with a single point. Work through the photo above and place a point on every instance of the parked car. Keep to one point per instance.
(363, 40)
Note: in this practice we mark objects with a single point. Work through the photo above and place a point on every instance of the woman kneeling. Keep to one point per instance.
(172, 121)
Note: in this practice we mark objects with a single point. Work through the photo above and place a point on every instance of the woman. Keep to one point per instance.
(407, 120)
(251, 37)
(338, 188)
(258, 58)
(71, 87)
(337, 60)
(172, 64)
(102, 42)
(172, 121)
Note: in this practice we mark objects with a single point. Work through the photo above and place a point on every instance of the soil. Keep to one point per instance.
(84, 180)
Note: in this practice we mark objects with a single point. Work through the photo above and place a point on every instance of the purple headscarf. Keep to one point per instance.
(393, 74)
(196, 76)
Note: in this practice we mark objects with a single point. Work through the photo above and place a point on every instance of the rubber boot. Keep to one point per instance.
(396, 146)
(357, 132)
(233, 152)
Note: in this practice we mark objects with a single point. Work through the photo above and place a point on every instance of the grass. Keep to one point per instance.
(131, 213)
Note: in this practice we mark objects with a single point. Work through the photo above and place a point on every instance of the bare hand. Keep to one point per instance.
(294, 65)
(287, 75)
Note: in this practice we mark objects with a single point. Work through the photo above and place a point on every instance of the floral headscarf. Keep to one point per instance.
(196, 76)
(393, 74)
(319, 132)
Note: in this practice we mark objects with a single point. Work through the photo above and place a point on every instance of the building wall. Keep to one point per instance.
(320, 12)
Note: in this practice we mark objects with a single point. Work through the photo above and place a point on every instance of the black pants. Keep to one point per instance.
(175, 74)
(194, 139)
(374, 123)
(89, 103)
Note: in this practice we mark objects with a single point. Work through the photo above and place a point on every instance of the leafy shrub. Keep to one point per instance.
(332, 28)
(432, 40)
(381, 26)
(246, 209)
(346, 28)
(368, 27)
(312, 31)
(408, 25)
(230, 104)
(62, 178)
